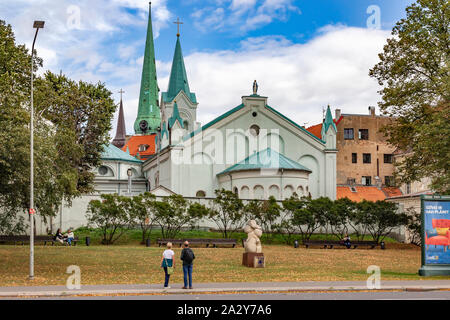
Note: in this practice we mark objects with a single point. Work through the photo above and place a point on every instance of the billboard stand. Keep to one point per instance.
(435, 235)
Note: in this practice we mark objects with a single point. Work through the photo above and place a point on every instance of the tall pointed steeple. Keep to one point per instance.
(328, 123)
(148, 118)
(120, 139)
(178, 77)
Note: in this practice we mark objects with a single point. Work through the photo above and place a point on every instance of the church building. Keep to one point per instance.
(251, 149)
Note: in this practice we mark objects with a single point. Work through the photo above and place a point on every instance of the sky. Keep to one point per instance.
(305, 54)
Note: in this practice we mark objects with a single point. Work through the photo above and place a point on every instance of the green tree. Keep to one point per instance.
(110, 215)
(293, 218)
(414, 71)
(341, 215)
(227, 212)
(172, 214)
(82, 115)
(380, 218)
(197, 212)
(72, 122)
(142, 212)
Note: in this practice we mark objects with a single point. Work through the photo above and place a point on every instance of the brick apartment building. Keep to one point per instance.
(365, 160)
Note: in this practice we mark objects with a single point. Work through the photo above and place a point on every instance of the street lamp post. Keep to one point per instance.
(37, 25)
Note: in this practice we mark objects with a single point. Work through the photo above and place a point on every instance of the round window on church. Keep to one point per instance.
(254, 130)
(103, 170)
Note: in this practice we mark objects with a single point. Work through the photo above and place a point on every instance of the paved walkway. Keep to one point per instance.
(236, 287)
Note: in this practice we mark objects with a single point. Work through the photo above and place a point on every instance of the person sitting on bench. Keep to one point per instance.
(70, 236)
(59, 236)
(347, 241)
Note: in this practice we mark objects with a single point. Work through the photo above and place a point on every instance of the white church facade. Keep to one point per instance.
(252, 150)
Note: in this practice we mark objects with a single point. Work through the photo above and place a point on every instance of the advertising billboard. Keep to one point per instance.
(435, 234)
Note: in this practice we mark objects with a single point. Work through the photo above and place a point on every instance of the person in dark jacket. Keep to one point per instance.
(59, 236)
(187, 256)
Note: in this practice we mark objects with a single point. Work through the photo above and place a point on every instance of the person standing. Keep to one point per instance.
(187, 256)
(167, 263)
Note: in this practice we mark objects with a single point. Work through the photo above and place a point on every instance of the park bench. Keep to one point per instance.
(330, 243)
(216, 242)
(22, 239)
(198, 241)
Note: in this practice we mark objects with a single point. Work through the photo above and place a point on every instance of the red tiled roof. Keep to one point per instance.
(392, 192)
(370, 193)
(135, 141)
(317, 129)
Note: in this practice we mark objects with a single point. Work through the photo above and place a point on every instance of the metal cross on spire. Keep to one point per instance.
(178, 22)
(121, 91)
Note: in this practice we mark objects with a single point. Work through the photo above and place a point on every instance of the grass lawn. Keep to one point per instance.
(138, 264)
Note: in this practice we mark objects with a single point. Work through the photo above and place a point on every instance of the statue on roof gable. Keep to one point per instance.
(255, 87)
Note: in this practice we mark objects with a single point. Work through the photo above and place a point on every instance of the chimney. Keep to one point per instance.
(372, 111)
(337, 114)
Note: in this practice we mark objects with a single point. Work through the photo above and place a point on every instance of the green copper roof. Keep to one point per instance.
(178, 78)
(328, 122)
(175, 116)
(266, 159)
(112, 153)
(148, 98)
(164, 130)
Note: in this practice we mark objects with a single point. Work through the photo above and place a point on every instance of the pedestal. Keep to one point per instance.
(428, 270)
(248, 258)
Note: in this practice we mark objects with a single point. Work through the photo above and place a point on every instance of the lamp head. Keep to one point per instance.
(38, 24)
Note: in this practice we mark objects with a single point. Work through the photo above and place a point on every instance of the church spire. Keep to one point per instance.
(148, 118)
(328, 122)
(120, 139)
(178, 77)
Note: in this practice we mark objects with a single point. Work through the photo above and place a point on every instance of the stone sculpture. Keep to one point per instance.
(253, 242)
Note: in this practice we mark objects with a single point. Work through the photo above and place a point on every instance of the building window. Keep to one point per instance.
(388, 158)
(366, 181)
(200, 194)
(408, 188)
(363, 134)
(389, 181)
(103, 170)
(351, 181)
(349, 134)
(367, 158)
(354, 158)
(254, 130)
(143, 147)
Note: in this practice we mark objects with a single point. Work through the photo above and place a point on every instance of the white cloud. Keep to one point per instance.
(299, 79)
(241, 16)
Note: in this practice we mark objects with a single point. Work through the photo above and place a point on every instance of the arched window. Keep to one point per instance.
(103, 170)
(236, 191)
(254, 130)
(200, 194)
(157, 179)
